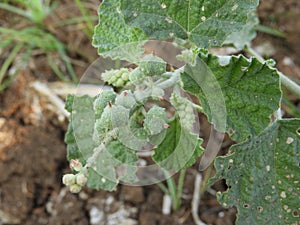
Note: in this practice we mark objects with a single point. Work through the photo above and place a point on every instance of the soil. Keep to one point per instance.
(33, 153)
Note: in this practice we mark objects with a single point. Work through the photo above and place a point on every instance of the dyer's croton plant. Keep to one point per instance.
(148, 108)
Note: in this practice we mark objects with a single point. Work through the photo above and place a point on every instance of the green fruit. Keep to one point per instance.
(155, 120)
(119, 116)
(152, 65)
(141, 94)
(102, 100)
(141, 134)
(103, 124)
(126, 99)
(136, 76)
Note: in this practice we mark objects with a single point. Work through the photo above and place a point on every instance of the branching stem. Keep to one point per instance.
(172, 80)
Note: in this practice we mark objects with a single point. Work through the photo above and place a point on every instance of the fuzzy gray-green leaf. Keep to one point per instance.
(80, 143)
(98, 182)
(121, 153)
(80, 131)
(113, 37)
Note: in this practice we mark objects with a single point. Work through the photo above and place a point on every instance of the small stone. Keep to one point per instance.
(96, 215)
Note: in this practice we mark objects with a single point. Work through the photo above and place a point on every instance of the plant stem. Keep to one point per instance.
(180, 186)
(289, 84)
(172, 189)
(197, 107)
(270, 30)
(285, 81)
(172, 80)
(163, 188)
(252, 52)
(207, 176)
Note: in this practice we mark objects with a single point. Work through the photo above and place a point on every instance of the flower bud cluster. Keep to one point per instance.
(184, 109)
(75, 182)
(114, 115)
(117, 78)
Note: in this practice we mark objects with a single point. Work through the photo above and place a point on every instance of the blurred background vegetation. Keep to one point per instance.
(47, 36)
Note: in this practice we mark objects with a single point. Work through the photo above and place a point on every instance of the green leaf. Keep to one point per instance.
(155, 120)
(125, 161)
(98, 182)
(103, 165)
(197, 153)
(205, 23)
(69, 102)
(80, 130)
(113, 37)
(263, 176)
(178, 149)
(72, 147)
(83, 120)
(121, 153)
(237, 94)
(113, 163)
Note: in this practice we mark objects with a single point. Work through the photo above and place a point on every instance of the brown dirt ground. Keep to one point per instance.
(33, 156)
